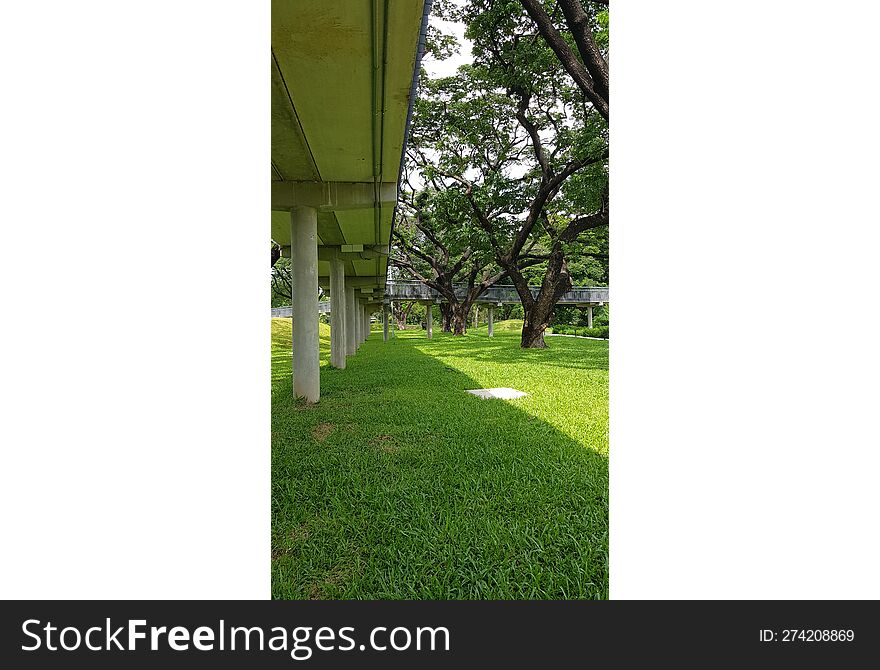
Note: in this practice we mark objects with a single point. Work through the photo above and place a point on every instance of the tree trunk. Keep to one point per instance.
(459, 317)
(534, 324)
(446, 316)
(400, 315)
(538, 310)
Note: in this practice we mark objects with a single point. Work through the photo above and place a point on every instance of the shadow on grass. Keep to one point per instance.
(400, 485)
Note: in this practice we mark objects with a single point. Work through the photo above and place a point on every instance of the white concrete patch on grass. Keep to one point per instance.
(504, 393)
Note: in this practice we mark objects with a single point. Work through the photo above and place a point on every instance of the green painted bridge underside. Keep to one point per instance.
(327, 56)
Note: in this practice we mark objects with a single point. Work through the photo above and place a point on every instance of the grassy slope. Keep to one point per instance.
(399, 485)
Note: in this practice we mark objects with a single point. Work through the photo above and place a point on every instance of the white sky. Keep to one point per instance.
(447, 67)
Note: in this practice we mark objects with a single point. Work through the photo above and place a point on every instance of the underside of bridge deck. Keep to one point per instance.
(343, 74)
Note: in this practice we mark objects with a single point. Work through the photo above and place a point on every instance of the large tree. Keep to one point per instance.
(514, 146)
(400, 311)
(565, 118)
(432, 246)
(526, 145)
(529, 168)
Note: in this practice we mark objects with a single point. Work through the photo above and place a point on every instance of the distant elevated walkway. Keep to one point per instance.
(587, 296)
(287, 312)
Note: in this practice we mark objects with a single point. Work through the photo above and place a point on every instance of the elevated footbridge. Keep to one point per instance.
(585, 296)
(495, 296)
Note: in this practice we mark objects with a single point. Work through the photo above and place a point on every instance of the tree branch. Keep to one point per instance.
(579, 24)
(579, 225)
(566, 56)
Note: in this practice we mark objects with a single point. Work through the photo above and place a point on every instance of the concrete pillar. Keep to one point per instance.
(351, 327)
(491, 320)
(429, 318)
(590, 316)
(366, 322)
(337, 313)
(304, 258)
(384, 323)
(358, 323)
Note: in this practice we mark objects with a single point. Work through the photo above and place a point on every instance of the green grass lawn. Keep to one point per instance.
(397, 484)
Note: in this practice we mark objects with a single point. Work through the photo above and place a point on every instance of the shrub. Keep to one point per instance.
(600, 331)
(565, 329)
(577, 317)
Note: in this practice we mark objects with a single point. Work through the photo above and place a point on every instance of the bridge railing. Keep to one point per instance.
(415, 290)
(287, 312)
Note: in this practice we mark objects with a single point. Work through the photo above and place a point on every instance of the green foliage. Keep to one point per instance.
(466, 126)
(601, 33)
(418, 313)
(281, 283)
(599, 331)
(577, 316)
(400, 485)
(439, 46)
(506, 312)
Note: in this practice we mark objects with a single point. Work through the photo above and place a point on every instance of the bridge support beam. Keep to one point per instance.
(350, 322)
(491, 320)
(429, 321)
(366, 322)
(304, 257)
(590, 316)
(384, 323)
(332, 196)
(338, 344)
